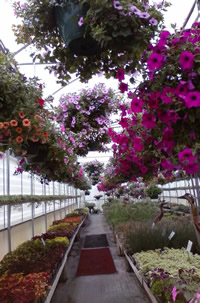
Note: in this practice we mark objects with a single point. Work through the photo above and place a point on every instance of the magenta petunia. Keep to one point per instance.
(137, 144)
(191, 168)
(164, 35)
(155, 61)
(186, 60)
(153, 103)
(136, 105)
(192, 99)
(172, 116)
(181, 90)
(166, 164)
(186, 156)
(120, 74)
(148, 121)
(123, 87)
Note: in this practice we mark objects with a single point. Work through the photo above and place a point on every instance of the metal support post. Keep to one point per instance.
(8, 193)
(32, 207)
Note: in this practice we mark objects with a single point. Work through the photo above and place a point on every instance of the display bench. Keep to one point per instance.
(60, 273)
(130, 265)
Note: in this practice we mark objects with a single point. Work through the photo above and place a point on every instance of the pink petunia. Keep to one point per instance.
(186, 60)
(137, 143)
(191, 168)
(148, 121)
(123, 87)
(166, 164)
(192, 99)
(186, 156)
(136, 105)
(120, 74)
(174, 293)
(155, 61)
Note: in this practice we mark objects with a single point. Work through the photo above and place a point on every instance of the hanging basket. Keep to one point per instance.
(4, 140)
(93, 145)
(39, 159)
(32, 149)
(67, 18)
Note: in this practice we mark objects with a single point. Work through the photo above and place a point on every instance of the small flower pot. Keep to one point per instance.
(72, 33)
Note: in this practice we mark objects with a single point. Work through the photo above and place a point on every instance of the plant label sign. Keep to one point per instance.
(189, 246)
(171, 235)
(43, 242)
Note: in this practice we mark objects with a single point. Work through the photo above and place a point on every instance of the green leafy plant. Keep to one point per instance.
(153, 191)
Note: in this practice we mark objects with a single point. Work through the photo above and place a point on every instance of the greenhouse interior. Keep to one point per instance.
(109, 213)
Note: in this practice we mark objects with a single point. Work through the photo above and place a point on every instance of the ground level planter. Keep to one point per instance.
(141, 279)
(132, 267)
(61, 273)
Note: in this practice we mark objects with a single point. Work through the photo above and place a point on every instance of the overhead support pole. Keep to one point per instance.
(21, 49)
(191, 11)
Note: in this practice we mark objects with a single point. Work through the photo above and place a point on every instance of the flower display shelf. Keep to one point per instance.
(64, 260)
(131, 265)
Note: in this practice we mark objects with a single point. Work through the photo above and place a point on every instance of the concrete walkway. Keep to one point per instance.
(120, 287)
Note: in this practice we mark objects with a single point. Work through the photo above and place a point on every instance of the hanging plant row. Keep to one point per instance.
(161, 121)
(81, 39)
(94, 170)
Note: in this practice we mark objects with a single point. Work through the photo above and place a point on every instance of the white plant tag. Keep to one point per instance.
(43, 242)
(189, 246)
(171, 235)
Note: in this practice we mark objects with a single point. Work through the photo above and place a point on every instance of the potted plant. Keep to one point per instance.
(137, 21)
(153, 191)
(84, 117)
(23, 118)
(90, 206)
(98, 197)
(93, 167)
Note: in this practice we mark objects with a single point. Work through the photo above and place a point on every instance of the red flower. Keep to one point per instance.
(120, 74)
(123, 87)
(41, 102)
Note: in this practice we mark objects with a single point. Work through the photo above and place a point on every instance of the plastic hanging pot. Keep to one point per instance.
(38, 159)
(32, 149)
(4, 140)
(67, 18)
(93, 145)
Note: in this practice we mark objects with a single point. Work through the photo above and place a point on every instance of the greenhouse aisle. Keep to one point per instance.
(118, 287)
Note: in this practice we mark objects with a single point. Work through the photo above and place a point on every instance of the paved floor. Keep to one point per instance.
(120, 287)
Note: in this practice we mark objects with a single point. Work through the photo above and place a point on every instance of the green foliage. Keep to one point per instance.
(58, 227)
(170, 259)
(140, 236)
(153, 191)
(118, 213)
(20, 199)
